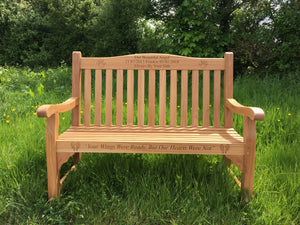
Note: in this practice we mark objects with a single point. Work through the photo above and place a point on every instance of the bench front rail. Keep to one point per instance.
(151, 103)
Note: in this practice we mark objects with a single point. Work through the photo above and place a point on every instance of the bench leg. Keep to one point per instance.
(52, 170)
(249, 158)
(76, 158)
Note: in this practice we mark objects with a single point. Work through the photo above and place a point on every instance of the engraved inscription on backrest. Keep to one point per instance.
(152, 90)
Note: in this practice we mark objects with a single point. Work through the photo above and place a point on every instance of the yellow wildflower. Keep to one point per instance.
(125, 103)
(7, 121)
(92, 106)
(209, 105)
(278, 120)
(7, 116)
(289, 114)
(277, 108)
(13, 110)
(81, 112)
(4, 114)
(63, 118)
(34, 113)
(178, 106)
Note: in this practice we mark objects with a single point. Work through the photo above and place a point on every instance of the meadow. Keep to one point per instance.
(146, 188)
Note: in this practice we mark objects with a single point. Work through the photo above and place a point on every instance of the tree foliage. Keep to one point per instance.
(264, 35)
(46, 32)
(193, 29)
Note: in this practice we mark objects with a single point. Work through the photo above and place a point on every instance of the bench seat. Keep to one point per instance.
(217, 141)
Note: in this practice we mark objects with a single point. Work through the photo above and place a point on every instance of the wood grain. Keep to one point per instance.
(151, 99)
(228, 87)
(184, 98)
(205, 106)
(173, 98)
(130, 97)
(98, 96)
(217, 96)
(195, 98)
(162, 98)
(119, 107)
(87, 97)
(76, 86)
(141, 97)
(153, 61)
(108, 98)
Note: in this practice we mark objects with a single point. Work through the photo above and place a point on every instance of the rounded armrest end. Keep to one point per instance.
(42, 111)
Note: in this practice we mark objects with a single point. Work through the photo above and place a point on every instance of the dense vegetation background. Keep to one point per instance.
(264, 35)
(37, 38)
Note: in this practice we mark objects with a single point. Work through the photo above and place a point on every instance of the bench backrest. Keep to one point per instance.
(151, 90)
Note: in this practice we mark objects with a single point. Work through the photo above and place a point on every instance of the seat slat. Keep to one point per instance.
(217, 96)
(130, 93)
(205, 98)
(173, 98)
(119, 107)
(195, 98)
(141, 96)
(151, 99)
(190, 137)
(108, 98)
(98, 96)
(87, 97)
(184, 97)
(144, 129)
(162, 98)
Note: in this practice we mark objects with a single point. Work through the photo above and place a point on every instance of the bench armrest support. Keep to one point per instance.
(253, 113)
(48, 110)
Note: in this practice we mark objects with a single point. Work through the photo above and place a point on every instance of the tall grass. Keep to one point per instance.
(146, 188)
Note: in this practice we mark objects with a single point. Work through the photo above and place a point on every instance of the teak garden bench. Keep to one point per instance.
(149, 103)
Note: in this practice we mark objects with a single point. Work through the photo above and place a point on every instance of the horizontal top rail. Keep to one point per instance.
(152, 61)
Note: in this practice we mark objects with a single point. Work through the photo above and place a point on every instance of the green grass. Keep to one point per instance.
(146, 188)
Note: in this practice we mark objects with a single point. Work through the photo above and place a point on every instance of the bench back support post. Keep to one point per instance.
(228, 87)
(76, 87)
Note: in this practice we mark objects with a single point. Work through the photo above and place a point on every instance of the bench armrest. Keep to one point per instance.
(253, 113)
(49, 110)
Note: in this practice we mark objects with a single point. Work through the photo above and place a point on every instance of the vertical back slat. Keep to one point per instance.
(217, 96)
(173, 98)
(162, 98)
(151, 98)
(184, 97)
(76, 87)
(98, 96)
(108, 98)
(119, 109)
(87, 98)
(141, 96)
(205, 98)
(130, 86)
(228, 87)
(195, 98)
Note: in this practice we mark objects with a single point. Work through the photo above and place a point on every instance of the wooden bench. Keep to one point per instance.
(150, 103)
